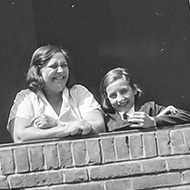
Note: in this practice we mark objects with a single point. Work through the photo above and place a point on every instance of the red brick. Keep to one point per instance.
(51, 156)
(179, 188)
(179, 162)
(186, 176)
(186, 133)
(136, 146)
(122, 147)
(79, 152)
(93, 150)
(36, 158)
(39, 188)
(108, 151)
(178, 142)
(21, 159)
(154, 166)
(112, 171)
(35, 179)
(6, 161)
(65, 154)
(156, 181)
(164, 145)
(123, 184)
(3, 183)
(90, 186)
(75, 175)
(150, 147)
(54, 177)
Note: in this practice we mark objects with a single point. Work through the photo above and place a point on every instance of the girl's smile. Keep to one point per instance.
(121, 95)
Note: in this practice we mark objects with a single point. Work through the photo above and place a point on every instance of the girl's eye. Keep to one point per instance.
(112, 96)
(124, 91)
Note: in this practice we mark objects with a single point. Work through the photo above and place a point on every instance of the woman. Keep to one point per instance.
(119, 96)
(50, 107)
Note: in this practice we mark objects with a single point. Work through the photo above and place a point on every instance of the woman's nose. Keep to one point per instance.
(59, 69)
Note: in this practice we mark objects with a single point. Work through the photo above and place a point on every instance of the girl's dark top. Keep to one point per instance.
(114, 121)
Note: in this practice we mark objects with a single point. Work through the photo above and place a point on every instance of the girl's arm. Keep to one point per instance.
(168, 110)
(152, 114)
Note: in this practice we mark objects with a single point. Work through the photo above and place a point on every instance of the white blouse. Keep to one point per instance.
(77, 102)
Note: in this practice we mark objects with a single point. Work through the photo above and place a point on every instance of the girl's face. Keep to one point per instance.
(121, 95)
(55, 73)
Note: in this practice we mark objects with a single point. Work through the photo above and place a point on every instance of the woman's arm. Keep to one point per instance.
(21, 130)
(96, 119)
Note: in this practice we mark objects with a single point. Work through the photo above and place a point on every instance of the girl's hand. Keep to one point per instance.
(141, 119)
(168, 110)
(44, 122)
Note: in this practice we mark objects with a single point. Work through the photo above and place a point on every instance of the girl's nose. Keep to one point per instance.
(120, 99)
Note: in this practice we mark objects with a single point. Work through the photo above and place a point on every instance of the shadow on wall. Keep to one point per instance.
(152, 41)
(18, 41)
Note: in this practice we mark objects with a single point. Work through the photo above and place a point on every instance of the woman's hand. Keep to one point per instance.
(43, 122)
(79, 127)
(141, 119)
(85, 127)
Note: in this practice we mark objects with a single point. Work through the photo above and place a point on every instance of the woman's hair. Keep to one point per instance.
(39, 58)
(110, 77)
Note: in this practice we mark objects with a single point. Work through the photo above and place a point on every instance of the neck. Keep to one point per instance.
(55, 100)
(53, 96)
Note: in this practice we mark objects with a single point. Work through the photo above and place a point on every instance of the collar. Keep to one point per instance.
(130, 112)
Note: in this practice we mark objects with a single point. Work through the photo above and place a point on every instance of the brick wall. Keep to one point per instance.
(156, 159)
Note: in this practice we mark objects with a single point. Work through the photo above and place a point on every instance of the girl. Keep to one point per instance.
(119, 97)
(51, 107)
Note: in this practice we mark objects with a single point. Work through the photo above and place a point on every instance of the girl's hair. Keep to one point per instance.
(110, 77)
(39, 58)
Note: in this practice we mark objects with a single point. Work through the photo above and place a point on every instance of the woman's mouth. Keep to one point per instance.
(58, 79)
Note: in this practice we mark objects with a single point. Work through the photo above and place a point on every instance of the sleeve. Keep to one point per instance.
(182, 117)
(85, 100)
(22, 106)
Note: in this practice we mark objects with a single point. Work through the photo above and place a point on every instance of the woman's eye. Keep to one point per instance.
(54, 66)
(64, 65)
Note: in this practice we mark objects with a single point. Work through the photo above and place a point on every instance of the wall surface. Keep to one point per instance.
(17, 42)
(151, 38)
(131, 160)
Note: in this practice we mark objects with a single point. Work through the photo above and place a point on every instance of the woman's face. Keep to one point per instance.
(55, 73)
(121, 95)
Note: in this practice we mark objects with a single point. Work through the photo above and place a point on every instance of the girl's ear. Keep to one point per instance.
(135, 91)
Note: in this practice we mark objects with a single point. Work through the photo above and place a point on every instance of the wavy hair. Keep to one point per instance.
(39, 58)
(110, 77)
